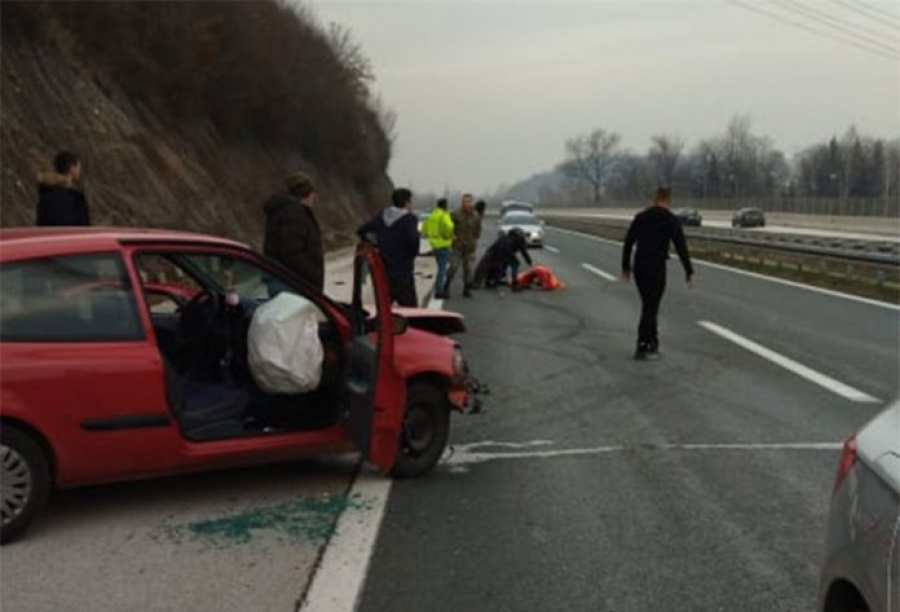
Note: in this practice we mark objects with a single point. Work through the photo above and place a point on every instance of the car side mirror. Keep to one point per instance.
(400, 324)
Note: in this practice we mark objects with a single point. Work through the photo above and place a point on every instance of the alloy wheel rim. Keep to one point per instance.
(17, 484)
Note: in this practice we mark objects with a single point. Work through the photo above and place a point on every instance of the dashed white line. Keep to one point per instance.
(826, 382)
(598, 272)
(551, 249)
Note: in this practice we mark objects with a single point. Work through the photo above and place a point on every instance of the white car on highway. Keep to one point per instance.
(862, 553)
(531, 226)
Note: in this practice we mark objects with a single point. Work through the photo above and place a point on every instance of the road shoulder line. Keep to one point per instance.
(340, 576)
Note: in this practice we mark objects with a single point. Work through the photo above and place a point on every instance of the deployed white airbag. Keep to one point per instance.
(284, 350)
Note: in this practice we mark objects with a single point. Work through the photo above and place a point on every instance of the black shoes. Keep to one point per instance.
(647, 352)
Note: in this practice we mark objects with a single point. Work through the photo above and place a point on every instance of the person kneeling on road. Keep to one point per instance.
(500, 257)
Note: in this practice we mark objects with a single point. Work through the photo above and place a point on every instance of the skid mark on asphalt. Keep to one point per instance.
(463, 455)
(308, 520)
(826, 382)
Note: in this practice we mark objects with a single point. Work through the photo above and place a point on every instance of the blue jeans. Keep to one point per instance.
(442, 256)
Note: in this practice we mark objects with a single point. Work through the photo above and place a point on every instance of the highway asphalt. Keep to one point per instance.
(594, 482)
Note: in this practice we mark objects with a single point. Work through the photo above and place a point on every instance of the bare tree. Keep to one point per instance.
(590, 158)
(663, 155)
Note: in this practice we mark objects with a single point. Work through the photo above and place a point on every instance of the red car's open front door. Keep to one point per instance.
(375, 392)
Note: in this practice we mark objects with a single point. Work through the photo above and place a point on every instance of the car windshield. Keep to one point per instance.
(520, 219)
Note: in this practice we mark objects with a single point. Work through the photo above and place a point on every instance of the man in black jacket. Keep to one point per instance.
(59, 202)
(396, 232)
(293, 237)
(653, 229)
(500, 257)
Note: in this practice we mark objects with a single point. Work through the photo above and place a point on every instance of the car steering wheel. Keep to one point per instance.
(197, 322)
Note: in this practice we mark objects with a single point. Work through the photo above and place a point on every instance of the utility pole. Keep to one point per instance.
(887, 184)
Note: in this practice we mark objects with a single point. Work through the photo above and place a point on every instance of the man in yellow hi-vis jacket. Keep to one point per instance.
(438, 230)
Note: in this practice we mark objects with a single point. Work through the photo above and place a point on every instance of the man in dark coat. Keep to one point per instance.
(396, 232)
(652, 230)
(293, 237)
(500, 257)
(59, 202)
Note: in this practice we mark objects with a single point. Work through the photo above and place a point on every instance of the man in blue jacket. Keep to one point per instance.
(396, 232)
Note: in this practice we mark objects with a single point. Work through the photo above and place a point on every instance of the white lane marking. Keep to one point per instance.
(835, 386)
(552, 249)
(465, 455)
(583, 235)
(771, 279)
(598, 272)
(339, 578)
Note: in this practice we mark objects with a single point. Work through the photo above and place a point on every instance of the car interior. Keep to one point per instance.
(203, 340)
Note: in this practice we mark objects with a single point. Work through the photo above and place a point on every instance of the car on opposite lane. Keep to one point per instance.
(124, 355)
(689, 216)
(861, 571)
(530, 226)
(749, 217)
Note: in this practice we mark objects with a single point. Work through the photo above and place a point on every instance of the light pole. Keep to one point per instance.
(706, 179)
(835, 178)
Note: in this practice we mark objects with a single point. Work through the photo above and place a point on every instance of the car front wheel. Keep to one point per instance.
(26, 481)
(426, 427)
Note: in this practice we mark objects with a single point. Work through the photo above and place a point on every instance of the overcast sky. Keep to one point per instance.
(487, 92)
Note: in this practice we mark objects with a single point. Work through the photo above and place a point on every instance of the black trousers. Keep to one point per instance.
(403, 290)
(651, 284)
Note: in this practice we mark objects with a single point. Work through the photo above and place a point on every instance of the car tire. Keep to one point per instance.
(26, 481)
(426, 427)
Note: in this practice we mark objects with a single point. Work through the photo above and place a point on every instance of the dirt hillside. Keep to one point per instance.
(176, 128)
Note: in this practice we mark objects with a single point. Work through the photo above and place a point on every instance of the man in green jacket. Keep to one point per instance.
(466, 232)
(438, 230)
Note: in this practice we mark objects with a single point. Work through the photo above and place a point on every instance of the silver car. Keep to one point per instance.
(531, 226)
(862, 558)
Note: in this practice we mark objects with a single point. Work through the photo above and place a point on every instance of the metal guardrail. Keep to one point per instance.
(856, 261)
(863, 251)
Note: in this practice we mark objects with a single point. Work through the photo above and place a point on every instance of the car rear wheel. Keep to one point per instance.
(26, 482)
(426, 426)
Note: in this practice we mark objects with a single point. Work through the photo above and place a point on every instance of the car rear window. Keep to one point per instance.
(79, 298)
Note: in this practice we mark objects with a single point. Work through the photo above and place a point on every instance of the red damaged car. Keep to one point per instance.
(123, 355)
